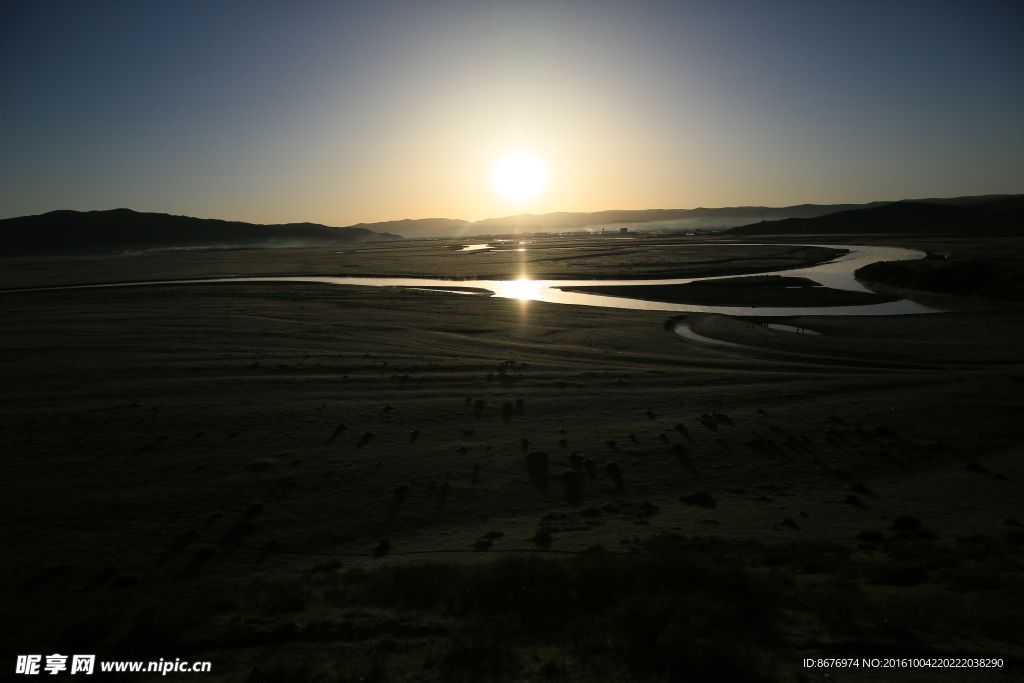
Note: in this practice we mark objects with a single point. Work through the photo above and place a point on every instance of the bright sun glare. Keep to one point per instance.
(522, 289)
(520, 176)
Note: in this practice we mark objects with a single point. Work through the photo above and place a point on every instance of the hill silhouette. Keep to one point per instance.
(124, 230)
(647, 219)
(563, 219)
(1005, 214)
(419, 227)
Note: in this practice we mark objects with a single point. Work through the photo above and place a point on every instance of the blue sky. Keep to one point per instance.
(347, 112)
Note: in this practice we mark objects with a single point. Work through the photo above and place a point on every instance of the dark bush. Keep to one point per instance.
(893, 574)
(870, 536)
(700, 499)
(537, 468)
(398, 496)
(573, 482)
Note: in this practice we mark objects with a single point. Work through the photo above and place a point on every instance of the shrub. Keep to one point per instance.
(573, 482)
(398, 496)
(537, 468)
(700, 499)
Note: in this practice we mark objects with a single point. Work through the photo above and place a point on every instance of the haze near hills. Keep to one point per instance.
(127, 231)
(124, 230)
(678, 219)
(648, 219)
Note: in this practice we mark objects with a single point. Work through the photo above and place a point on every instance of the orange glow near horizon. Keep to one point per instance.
(358, 113)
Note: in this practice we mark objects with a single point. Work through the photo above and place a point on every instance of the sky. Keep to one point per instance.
(349, 112)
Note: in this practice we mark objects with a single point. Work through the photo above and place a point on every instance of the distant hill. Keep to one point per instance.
(1003, 205)
(124, 230)
(1003, 214)
(565, 220)
(646, 219)
(420, 227)
(731, 214)
(968, 200)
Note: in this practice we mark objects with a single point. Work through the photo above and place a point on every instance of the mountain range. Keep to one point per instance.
(648, 219)
(1001, 214)
(126, 231)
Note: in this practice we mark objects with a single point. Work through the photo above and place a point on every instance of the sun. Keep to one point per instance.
(520, 176)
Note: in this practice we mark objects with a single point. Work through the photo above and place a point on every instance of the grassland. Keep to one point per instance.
(753, 290)
(311, 482)
(553, 258)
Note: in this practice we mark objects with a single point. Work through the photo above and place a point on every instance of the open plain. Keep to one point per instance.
(289, 461)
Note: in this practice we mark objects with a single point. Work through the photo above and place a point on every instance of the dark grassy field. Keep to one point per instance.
(550, 258)
(753, 290)
(306, 482)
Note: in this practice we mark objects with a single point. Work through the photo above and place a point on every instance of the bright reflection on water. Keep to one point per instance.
(521, 289)
(837, 274)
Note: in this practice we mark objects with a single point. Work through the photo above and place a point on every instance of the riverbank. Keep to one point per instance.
(772, 291)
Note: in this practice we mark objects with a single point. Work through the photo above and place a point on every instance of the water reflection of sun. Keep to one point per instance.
(522, 289)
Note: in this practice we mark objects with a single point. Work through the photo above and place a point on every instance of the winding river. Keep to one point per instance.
(837, 274)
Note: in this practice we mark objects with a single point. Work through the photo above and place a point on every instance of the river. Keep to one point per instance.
(837, 274)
